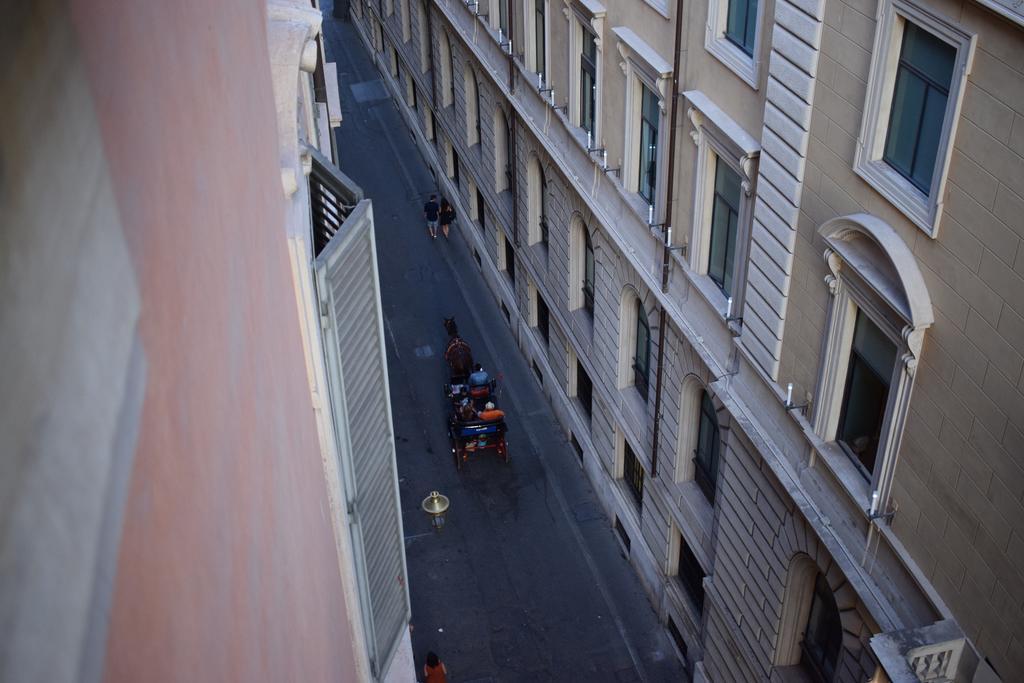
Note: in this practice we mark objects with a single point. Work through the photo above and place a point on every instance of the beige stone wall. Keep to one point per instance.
(959, 483)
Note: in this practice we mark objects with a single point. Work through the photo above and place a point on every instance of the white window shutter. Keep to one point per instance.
(354, 345)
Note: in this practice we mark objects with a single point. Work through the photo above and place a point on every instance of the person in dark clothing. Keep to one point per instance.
(447, 216)
(430, 212)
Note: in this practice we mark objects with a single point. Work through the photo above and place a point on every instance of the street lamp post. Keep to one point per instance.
(436, 505)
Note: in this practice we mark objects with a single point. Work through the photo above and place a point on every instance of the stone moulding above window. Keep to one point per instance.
(747, 67)
(642, 57)
(871, 270)
(924, 210)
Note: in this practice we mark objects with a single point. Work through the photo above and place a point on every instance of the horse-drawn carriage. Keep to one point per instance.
(475, 423)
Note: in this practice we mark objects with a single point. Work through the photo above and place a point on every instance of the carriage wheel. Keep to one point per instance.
(457, 453)
(505, 455)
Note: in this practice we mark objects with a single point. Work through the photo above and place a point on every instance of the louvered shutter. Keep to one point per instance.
(348, 289)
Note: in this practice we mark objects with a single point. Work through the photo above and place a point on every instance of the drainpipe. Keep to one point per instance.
(511, 59)
(430, 52)
(514, 180)
(667, 251)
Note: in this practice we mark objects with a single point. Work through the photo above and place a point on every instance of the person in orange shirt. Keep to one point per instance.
(490, 413)
(434, 670)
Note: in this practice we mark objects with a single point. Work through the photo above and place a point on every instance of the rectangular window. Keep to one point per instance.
(503, 18)
(539, 23)
(872, 358)
(677, 638)
(621, 530)
(633, 473)
(510, 261)
(725, 211)
(690, 574)
(919, 105)
(543, 319)
(415, 99)
(455, 166)
(741, 24)
(576, 446)
(480, 209)
(584, 390)
(588, 81)
(648, 169)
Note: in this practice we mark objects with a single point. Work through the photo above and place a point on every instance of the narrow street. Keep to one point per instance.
(527, 582)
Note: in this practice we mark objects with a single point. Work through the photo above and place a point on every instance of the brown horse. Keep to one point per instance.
(457, 353)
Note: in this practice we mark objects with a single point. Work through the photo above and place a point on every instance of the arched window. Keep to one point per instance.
(581, 266)
(447, 72)
(502, 172)
(472, 107)
(535, 191)
(642, 351)
(705, 456)
(543, 224)
(588, 272)
(823, 635)
(810, 626)
(424, 37)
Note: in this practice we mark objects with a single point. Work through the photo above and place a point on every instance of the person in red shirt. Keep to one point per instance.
(434, 670)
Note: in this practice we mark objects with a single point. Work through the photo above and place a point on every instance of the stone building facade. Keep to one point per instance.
(765, 259)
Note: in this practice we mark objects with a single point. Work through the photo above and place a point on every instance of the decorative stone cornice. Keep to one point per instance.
(292, 29)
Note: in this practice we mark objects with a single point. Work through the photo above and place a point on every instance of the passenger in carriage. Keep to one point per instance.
(490, 413)
(466, 411)
(479, 384)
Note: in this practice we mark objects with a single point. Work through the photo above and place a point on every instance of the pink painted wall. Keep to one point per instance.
(227, 568)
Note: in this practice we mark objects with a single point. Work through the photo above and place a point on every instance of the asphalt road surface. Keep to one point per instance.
(527, 582)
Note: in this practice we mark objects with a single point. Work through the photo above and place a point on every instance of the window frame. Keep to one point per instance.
(471, 82)
(719, 138)
(692, 582)
(447, 59)
(633, 475)
(642, 371)
(644, 69)
(536, 53)
(746, 66)
(581, 253)
(705, 474)
(588, 68)
(924, 209)
(871, 270)
(586, 15)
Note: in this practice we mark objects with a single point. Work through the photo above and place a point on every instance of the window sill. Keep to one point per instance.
(901, 193)
(839, 465)
(791, 674)
(659, 7)
(711, 293)
(736, 60)
(700, 509)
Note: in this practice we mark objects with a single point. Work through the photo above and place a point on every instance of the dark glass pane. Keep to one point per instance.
(584, 389)
(691, 575)
(708, 443)
(642, 358)
(543, 324)
(929, 54)
(928, 137)
(588, 81)
(750, 35)
(741, 24)
(588, 272)
(649, 115)
(538, 29)
(633, 473)
(724, 225)
(920, 95)
(510, 261)
(907, 105)
(824, 635)
(872, 358)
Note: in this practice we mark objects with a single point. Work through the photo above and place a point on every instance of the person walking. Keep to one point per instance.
(434, 671)
(430, 212)
(447, 216)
